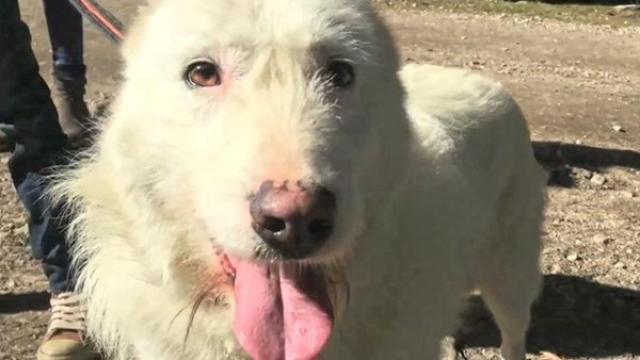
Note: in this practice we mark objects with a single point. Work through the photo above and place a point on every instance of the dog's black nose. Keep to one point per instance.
(293, 219)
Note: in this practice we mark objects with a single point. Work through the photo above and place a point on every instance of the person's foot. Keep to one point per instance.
(7, 138)
(65, 338)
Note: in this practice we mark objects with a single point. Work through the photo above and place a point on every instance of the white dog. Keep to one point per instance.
(272, 186)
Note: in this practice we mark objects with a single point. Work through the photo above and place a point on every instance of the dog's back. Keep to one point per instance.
(469, 121)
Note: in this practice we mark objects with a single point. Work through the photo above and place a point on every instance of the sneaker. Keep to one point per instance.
(65, 338)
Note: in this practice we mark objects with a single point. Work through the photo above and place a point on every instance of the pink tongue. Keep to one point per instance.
(280, 314)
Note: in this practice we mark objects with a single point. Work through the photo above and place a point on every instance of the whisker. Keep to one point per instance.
(199, 299)
(176, 316)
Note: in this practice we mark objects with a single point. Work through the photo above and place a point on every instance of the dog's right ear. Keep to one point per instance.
(133, 39)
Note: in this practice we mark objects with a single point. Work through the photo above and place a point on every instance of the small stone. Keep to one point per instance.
(620, 265)
(630, 7)
(549, 356)
(556, 269)
(601, 239)
(583, 173)
(10, 284)
(572, 257)
(630, 194)
(598, 179)
(618, 128)
(23, 230)
(578, 142)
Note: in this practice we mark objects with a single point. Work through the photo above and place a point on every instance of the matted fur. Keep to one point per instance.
(437, 188)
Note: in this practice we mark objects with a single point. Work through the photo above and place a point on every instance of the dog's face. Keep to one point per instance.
(271, 131)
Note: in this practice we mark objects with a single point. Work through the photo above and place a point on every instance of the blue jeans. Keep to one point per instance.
(26, 103)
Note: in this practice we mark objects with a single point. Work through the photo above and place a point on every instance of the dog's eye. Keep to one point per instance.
(340, 74)
(202, 74)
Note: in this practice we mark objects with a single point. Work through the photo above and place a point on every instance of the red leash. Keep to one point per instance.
(102, 18)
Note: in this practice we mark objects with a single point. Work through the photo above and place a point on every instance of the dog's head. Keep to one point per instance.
(272, 132)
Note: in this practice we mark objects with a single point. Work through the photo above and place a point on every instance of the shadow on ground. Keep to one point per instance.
(556, 156)
(16, 303)
(574, 317)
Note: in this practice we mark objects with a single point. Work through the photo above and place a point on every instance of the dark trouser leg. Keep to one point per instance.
(65, 34)
(26, 102)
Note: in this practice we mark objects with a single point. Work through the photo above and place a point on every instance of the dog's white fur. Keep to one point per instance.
(438, 191)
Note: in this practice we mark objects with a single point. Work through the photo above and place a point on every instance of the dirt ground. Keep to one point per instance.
(579, 86)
